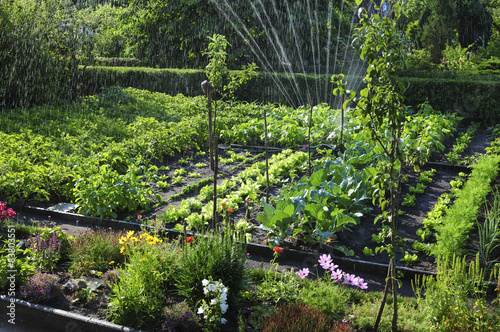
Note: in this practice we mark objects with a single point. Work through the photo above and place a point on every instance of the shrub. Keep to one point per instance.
(217, 256)
(302, 317)
(40, 288)
(180, 318)
(137, 297)
(455, 300)
(96, 251)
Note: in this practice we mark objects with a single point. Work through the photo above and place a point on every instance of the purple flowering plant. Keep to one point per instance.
(41, 288)
(336, 274)
(46, 252)
(180, 317)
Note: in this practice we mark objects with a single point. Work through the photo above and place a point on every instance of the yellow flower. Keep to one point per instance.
(143, 235)
(142, 259)
(122, 249)
(130, 234)
(122, 240)
(112, 262)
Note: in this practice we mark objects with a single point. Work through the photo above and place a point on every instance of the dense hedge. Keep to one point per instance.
(188, 82)
(472, 95)
(472, 98)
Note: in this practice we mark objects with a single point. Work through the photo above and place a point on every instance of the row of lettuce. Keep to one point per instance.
(334, 196)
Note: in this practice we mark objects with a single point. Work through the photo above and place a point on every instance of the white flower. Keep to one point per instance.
(200, 310)
(223, 321)
(211, 287)
(213, 302)
(205, 282)
(223, 297)
(223, 308)
(325, 208)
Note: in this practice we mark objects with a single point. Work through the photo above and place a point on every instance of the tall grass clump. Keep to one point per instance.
(455, 300)
(97, 251)
(489, 232)
(217, 256)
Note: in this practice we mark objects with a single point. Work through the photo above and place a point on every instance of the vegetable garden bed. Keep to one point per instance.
(155, 173)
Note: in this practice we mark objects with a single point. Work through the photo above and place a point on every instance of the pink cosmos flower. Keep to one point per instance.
(360, 282)
(325, 261)
(303, 273)
(349, 279)
(337, 275)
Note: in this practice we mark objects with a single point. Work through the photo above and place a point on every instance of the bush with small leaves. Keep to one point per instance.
(180, 318)
(40, 288)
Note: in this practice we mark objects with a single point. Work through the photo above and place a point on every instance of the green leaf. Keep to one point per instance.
(318, 177)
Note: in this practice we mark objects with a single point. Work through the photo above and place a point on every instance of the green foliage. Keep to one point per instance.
(137, 298)
(13, 258)
(105, 192)
(418, 189)
(470, 91)
(462, 142)
(42, 48)
(448, 296)
(453, 232)
(278, 287)
(408, 259)
(458, 58)
(426, 176)
(408, 201)
(438, 212)
(214, 255)
(331, 299)
(332, 199)
(96, 251)
(489, 232)
(420, 60)
(411, 315)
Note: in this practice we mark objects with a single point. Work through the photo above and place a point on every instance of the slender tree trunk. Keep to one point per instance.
(341, 142)
(215, 167)
(384, 298)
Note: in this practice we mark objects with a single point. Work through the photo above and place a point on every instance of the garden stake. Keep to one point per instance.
(341, 144)
(267, 162)
(309, 136)
(207, 89)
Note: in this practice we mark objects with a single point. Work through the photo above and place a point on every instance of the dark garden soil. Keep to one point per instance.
(357, 239)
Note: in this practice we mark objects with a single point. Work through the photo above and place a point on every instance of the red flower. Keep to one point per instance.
(223, 203)
(189, 239)
(278, 250)
(230, 210)
(139, 216)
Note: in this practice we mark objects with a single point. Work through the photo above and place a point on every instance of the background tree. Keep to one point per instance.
(42, 44)
(438, 25)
